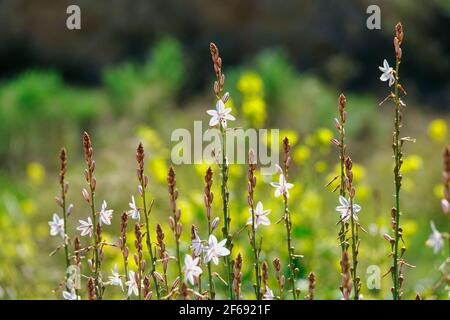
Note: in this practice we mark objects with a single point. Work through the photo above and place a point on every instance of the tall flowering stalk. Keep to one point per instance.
(64, 189)
(89, 196)
(392, 75)
(123, 242)
(253, 222)
(219, 118)
(340, 143)
(352, 209)
(143, 183)
(208, 199)
(282, 188)
(174, 220)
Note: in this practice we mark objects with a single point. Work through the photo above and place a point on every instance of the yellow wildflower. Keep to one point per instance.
(36, 172)
(437, 130)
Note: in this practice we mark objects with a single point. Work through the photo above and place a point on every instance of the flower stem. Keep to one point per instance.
(226, 217)
(149, 242)
(397, 178)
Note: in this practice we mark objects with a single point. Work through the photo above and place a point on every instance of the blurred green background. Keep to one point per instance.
(137, 70)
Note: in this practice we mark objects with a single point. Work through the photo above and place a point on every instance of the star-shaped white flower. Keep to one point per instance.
(105, 215)
(134, 212)
(435, 241)
(115, 279)
(132, 284)
(220, 115)
(388, 73)
(215, 250)
(56, 226)
(191, 269)
(85, 227)
(71, 295)
(282, 187)
(197, 245)
(344, 209)
(269, 294)
(260, 215)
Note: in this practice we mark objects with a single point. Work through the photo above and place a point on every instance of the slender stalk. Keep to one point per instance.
(90, 197)
(123, 244)
(143, 182)
(174, 220)
(287, 218)
(208, 199)
(397, 177)
(342, 148)
(218, 89)
(64, 189)
(250, 200)
(138, 259)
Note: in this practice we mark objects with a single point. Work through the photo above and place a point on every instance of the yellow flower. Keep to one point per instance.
(150, 138)
(36, 172)
(254, 110)
(290, 134)
(437, 130)
(359, 172)
(412, 163)
(250, 83)
(159, 169)
(324, 136)
(28, 206)
(321, 166)
(438, 191)
(302, 153)
(409, 227)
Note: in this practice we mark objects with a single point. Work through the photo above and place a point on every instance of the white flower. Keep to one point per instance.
(85, 227)
(269, 294)
(71, 295)
(435, 240)
(282, 187)
(197, 245)
(344, 209)
(56, 226)
(388, 73)
(191, 269)
(134, 212)
(115, 279)
(131, 284)
(221, 114)
(260, 215)
(105, 215)
(215, 250)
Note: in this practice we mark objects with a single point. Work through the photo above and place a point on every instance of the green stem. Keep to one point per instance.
(149, 242)
(256, 257)
(64, 211)
(342, 185)
(95, 240)
(212, 290)
(287, 219)
(397, 181)
(226, 218)
(354, 253)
